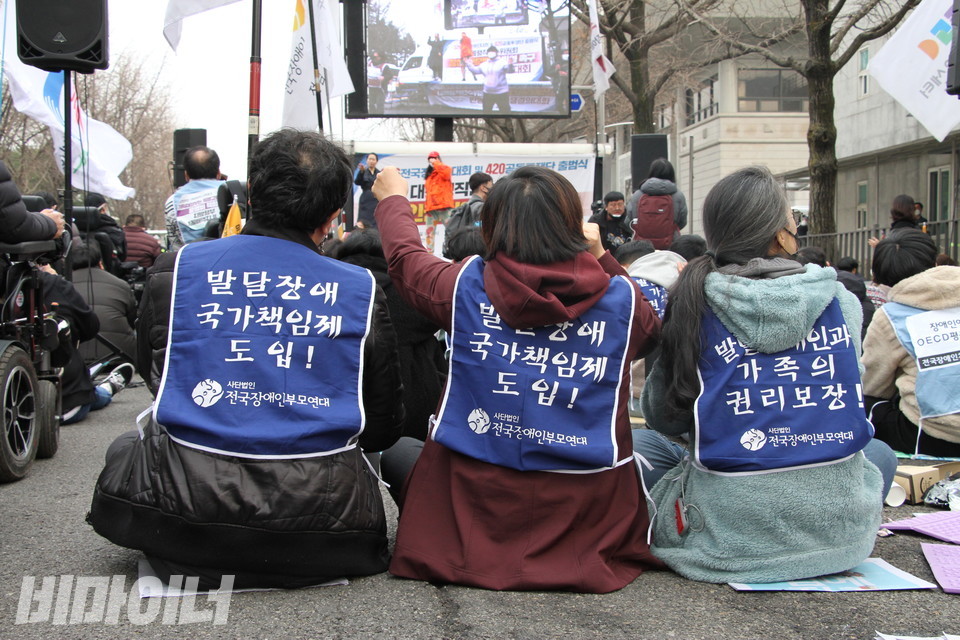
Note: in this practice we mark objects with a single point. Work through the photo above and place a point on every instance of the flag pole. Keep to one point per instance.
(317, 89)
(253, 128)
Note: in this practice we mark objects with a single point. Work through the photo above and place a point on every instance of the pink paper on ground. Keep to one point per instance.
(942, 526)
(945, 563)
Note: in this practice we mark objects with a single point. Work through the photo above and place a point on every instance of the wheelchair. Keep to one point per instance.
(29, 381)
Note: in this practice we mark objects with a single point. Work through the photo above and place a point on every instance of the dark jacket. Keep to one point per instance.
(113, 302)
(16, 223)
(270, 522)
(60, 296)
(368, 201)
(613, 232)
(470, 522)
(142, 247)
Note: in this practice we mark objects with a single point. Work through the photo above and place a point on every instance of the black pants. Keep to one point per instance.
(397, 462)
(896, 430)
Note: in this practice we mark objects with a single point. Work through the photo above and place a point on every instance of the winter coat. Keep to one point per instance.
(16, 223)
(613, 231)
(142, 247)
(113, 302)
(889, 368)
(777, 526)
(285, 522)
(659, 187)
(439, 188)
(470, 522)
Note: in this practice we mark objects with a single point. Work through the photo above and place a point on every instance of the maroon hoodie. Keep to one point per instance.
(469, 522)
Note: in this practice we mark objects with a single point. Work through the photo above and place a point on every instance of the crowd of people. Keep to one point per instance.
(491, 390)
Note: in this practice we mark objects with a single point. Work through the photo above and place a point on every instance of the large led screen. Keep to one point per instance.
(467, 58)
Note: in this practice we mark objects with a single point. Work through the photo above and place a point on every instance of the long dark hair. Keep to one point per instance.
(533, 215)
(741, 216)
(902, 208)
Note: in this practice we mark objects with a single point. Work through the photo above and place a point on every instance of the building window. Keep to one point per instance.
(702, 101)
(863, 80)
(771, 90)
(939, 196)
(862, 222)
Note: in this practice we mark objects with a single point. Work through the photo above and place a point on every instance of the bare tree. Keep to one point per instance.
(835, 30)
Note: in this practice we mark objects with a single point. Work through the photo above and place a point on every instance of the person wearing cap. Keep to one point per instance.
(439, 192)
(495, 87)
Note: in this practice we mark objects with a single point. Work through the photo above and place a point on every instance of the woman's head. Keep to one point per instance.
(903, 253)
(372, 160)
(902, 208)
(662, 169)
(533, 215)
(745, 216)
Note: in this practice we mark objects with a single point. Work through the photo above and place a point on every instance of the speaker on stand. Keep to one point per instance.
(59, 35)
(644, 149)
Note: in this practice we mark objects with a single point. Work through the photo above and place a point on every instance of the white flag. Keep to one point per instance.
(177, 10)
(299, 100)
(99, 153)
(602, 67)
(912, 67)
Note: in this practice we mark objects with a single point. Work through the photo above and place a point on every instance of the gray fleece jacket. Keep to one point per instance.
(777, 526)
(659, 187)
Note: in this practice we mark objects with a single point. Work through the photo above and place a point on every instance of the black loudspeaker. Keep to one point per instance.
(59, 35)
(644, 149)
(184, 139)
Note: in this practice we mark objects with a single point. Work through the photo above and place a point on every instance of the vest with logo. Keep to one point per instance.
(932, 338)
(266, 350)
(195, 205)
(655, 294)
(762, 412)
(540, 399)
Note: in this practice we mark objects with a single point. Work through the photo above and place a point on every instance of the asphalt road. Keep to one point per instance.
(43, 533)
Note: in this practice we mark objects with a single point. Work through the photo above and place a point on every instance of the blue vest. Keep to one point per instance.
(195, 205)
(656, 295)
(265, 353)
(541, 399)
(932, 338)
(760, 412)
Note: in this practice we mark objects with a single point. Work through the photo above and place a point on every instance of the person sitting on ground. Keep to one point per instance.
(689, 246)
(142, 247)
(111, 299)
(251, 464)
(657, 211)
(488, 466)
(755, 498)
(910, 390)
(422, 365)
(613, 226)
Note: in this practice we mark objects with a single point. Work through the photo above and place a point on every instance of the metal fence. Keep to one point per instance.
(854, 243)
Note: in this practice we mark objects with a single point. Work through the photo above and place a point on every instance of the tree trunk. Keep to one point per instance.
(638, 56)
(822, 134)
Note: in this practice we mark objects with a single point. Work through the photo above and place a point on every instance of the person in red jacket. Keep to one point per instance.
(439, 192)
(142, 247)
(527, 479)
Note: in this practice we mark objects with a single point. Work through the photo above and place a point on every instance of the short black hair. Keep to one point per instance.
(689, 246)
(49, 198)
(533, 215)
(808, 255)
(463, 243)
(612, 196)
(93, 199)
(361, 242)
(85, 255)
(630, 251)
(298, 180)
(136, 219)
(662, 169)
(847, 263)
(903, 253)
(479, 179)
(201, 163)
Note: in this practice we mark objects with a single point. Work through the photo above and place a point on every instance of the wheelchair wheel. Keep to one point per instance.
(48, 419)
(18, 406)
